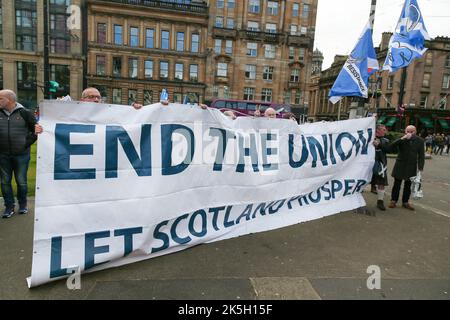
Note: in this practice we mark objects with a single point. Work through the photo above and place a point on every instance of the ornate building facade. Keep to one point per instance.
(22, 49)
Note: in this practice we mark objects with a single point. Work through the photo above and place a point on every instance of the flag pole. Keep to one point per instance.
(373, 7)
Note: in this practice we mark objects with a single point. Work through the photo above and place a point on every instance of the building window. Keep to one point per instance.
(269, 51)
(254, 6)
(195, 39)
(117, 66)
(249, 94)
(287, 97)
(252, 49)
(148, 72)
(26, 43)
(164, 70)
(59, 45)
(222, 69)
(165, 36)
(101, 63)
(426, 80)
(148, 97)
(118, 35)
(220, 4)
(226, 92)
(272, 7)
(179, 71)
(117, 96)
(305, 13)
(193, 72)
(134, 37)
(250, 72)
(388, 100)
(230, 23)
(445, 81)
(26, 74)
(229, 47)
(101, 32)
(298, 97)
(271, 28)
(58, 22)
(291, 53)
(26, 84)
(61, 75)
(231, 4)
(26, 19)
(295, 75)
(57, 2)
(252, 26)
(301, 54)
(429, 58)
(219, 22)
(266, 95)
(447, 61)
(133, 67)
(294, 29)
(177, 97)
(423, 100)
(191, 98)
(215, 91)
(295, 9)
(132, 96)
(442, 104)
(180, 41)
(268, 73)
(390, 83)
(217, 46)
(150, 38)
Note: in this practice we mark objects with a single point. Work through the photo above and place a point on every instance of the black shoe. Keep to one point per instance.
(23, 210)
(380, 205)
(373, 189)
(8, 213)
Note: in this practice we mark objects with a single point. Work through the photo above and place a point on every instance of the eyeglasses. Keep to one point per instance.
(93, 97)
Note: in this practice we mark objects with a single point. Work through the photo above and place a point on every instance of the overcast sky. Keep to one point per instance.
(340, 22)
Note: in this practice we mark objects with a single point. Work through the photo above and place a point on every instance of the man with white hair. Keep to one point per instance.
(410, 159)
(16, 137)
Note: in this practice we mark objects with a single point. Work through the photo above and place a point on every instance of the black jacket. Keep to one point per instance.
(411, 156)
(16, 131)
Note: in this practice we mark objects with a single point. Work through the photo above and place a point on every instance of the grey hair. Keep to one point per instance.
(10, 94)
(83, 94)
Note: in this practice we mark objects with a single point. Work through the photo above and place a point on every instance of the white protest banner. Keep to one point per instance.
(117, 185)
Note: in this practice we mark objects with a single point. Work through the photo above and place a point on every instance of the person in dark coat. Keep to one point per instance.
(411, 156)
(16, 137)
(379, 177)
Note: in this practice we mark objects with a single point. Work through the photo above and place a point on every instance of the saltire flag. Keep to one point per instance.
(362, 62)
(407, 42)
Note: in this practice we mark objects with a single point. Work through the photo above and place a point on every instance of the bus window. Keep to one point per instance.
(231, 105)
(251, 106)
(242, 105)
(263, 107)
(219, 104)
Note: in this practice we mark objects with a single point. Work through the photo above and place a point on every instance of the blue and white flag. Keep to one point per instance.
(354, 77)
(407, 42)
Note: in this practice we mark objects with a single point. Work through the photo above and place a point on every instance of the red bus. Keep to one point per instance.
(248, 108)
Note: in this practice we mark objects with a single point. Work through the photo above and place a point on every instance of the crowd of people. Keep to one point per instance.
(436, 142)
(19, 130)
